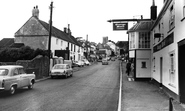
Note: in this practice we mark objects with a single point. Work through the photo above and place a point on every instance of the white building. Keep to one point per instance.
(140, 46)
(35, 33)
(168, 58)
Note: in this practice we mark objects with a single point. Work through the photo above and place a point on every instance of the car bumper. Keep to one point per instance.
(58, 74)
(2, 88)
(104, 62)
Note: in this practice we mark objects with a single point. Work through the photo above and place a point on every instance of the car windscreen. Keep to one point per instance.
(59, 67)
(3, 72)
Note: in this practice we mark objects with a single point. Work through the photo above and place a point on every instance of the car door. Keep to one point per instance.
(16, 79)
(23, 77)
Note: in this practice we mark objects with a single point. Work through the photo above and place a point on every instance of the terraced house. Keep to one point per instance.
(35, 33)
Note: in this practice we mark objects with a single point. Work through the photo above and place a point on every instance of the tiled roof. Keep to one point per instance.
(141, 26)
(74, 39)
(17, 45)
(60, 34)
(6, 42)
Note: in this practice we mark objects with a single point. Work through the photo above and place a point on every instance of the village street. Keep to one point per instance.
(92, 88)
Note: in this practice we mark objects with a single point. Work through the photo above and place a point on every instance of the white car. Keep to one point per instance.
(61, 70)
(13, 77)
(80, 63)
(86, 62)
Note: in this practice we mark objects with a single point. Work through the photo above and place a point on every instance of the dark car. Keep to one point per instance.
(105, 61)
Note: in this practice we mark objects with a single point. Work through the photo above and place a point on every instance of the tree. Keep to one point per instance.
(23, 53)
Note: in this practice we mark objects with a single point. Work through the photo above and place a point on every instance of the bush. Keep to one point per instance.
(23, 53)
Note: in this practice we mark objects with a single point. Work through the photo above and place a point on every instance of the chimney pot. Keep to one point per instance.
(65, 29)
(35, 12)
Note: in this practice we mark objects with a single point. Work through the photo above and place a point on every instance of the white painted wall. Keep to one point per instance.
(57, 46)
(132, 53)
(143, 56)
(179, 34)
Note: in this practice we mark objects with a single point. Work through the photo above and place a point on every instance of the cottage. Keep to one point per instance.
(35, 33)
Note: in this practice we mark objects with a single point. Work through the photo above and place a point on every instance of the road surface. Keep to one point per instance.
(92, 88)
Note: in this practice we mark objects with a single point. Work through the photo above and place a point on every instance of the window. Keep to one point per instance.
(74, 48)
(56, 41)
(184, 9)
(172, 68)
(132, 40)
(61, 42)
(172, 17)
(143, 64)
(3, 72)
(144, 39)
(71, 47)
(15, 72)
(21, 71)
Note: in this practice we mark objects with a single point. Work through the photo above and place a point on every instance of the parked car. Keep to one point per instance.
(86, 62)
(61, 70)
(74, 64)
(108, 58)
(80, 63)
(13, 77)
(105, 61)
(113, 58)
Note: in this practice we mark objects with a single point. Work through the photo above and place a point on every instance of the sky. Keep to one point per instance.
(86, 17)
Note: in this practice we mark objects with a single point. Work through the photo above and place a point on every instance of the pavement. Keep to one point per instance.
(144, 96)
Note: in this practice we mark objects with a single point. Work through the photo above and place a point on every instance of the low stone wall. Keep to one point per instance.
(39, 65)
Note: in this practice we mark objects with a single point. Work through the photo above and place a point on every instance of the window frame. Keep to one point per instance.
(144, 40)
(172, 69)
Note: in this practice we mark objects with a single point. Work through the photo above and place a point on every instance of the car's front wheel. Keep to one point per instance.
(66, 75)
(51, 77)
(71, 73)
(12, 90)
(30, 86)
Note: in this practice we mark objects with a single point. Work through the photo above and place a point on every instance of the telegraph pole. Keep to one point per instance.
(50, 31)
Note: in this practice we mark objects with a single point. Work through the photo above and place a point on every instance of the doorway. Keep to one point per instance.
(181, 68)
(161, 72)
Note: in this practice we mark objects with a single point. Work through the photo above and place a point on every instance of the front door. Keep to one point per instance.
(181, 61)
(161, 71)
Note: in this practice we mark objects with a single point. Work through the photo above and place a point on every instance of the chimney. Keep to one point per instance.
(153, 9)
(35, 12)
(69, 31)
(65, 29)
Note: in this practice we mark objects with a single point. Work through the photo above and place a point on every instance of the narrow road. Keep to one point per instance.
(92, 88)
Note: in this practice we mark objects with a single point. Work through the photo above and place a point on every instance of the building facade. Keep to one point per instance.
(140, 49)
(35, 33)
(168, 50)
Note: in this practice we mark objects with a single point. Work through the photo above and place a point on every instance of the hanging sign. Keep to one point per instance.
(120, 26)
